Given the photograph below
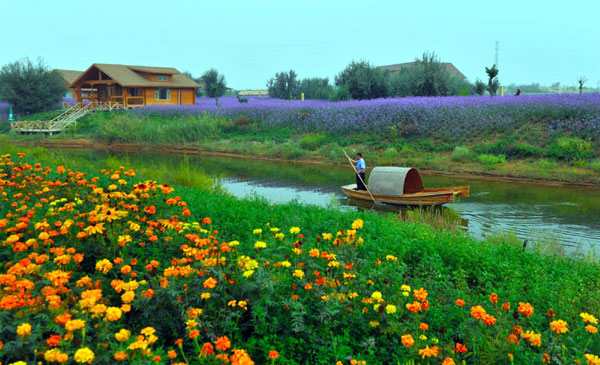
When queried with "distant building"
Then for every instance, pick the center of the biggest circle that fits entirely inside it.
(397, 68)
(254, 93)
(135, 85)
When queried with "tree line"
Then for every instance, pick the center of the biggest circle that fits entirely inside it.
(427, 76)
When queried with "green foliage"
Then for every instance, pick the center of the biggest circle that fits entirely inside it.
(479, 87)
(462, 154)
(363, 81)
(30, 87)
(571, 149)
(595, 165)
(340, 93)
(214, 83)
(315, 88)
(493, 82)
(491, 160)
(312, 142)
(284, 85)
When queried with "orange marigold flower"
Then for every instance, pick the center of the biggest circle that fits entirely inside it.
(559, 326)
(488, 319)
(194, 333)
(448, 361)
(591, 329)
(414, 307)
(460, 302)
(210, 283)
(525, 309)
(207, 349)
(407, 340)
(424, 326)
(506, 306)
(460, 348)
(273, 354)
(223, 343)
(156, 358)
(53, 340)
(421, 294)
(172, 354)
(429, 351)
(494, 298)
(477, 312)
(120, 356)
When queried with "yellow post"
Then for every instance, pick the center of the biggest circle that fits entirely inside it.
(302, 96)
(501, 90)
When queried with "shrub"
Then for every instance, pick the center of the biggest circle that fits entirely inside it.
(243, 122)
(462, 154)
(30, 87)
(312, 142)
(491, 160)
(547, 164)
(571, 148)
(363, 81)
(595, 165)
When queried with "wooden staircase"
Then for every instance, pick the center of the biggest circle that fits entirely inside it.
(65, 119)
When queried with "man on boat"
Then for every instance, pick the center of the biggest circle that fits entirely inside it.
(361, 167)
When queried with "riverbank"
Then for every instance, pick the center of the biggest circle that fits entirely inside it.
(315, 284)
(513, 171)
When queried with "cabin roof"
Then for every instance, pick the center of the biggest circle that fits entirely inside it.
(129, 76)
(395, 181)
(69, 75)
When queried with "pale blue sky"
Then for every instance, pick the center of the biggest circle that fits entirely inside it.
(248, 41)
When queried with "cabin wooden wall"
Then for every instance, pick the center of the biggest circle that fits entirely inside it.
(152, 77)
(188, 96)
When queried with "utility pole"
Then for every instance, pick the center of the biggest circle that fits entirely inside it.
(496, 59)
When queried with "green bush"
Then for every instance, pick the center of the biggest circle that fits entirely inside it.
(595, 165)
(491, 160)
(462, 154)
(522, 150)
(571, 148)
(312, 142)
(547, 164)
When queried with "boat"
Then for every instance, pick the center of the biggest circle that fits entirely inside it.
(403, 186)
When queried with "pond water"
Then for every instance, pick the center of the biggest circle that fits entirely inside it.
(531, 211)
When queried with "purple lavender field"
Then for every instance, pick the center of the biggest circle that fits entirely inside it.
(448, 118)
(4, 109)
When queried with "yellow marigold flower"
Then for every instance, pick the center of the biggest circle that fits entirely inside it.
(376, 295)
(190, 323)
(314, 252)
(405, 288)
(390, 309)
(357, 224)
(128, 296)
(352, 295)
(423, 337)
(210, 283)
(295, 230)
(407, 340)
(232, 303)
(24, 329)
(327, 236)
(286, 264)
(298, 273)
(325, 298)
(374, 323)
(588, 318)
(74, 325)
(429, 352)
(260, 244)
(257, 231)
(104, 265)
(559, 326)
(205, 295)
(233, 243)
(391, 258)
(12, 238)
(405, 293)
(44, 236)
(112, 187)
(113, 314)
(122, 335)
(297, 251)
(98, 309)
(279, 236)
(84, 355)
(248, 273)
(525, 309)
(592, 359)
(274, 229)
(242, 304)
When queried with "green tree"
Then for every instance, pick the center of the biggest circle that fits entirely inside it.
(363, 81)
(581, 80)
(479, 87)
(214, 84)
(30, 87)
(315, 88)
(493, 82)
(284, 85)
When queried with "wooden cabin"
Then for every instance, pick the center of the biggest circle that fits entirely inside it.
(132, 86)
(68, 77)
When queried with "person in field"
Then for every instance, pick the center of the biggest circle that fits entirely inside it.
(361, 168)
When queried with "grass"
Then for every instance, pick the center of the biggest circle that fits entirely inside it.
(528, 152)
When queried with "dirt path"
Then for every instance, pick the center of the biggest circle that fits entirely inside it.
(79, 144)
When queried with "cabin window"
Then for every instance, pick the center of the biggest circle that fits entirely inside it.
(162, 78)
(163, 93)
(117, 91)
(134, 91)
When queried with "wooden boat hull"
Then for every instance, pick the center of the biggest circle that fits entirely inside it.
(426, 197)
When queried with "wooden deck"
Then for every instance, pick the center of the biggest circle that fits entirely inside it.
(69, 116)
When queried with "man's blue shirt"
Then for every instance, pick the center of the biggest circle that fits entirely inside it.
(360, 164)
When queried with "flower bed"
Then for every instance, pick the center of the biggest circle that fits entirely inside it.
(102, 269)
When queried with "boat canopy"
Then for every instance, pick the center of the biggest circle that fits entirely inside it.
(395, 181)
